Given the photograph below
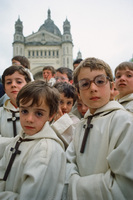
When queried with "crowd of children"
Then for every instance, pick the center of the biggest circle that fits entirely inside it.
(69, 135)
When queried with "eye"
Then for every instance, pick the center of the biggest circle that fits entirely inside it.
(61, 102)
(39, 114)
(19, 82)
(118, 76)
(69, 103)
(129, 75)
(100, 80)
(8, 82)
(84, 83)
(79, 105)
(24, 111)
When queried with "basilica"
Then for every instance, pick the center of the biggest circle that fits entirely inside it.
(45, 47)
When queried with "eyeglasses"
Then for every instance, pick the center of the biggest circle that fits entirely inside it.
(99, 81)
(61, 78)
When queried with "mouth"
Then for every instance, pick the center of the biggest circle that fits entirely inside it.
(14, 92)
(63, 111)
(94, 98)
(122, 84)
(29, 127)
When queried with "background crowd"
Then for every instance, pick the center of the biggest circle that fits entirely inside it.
(67, 135)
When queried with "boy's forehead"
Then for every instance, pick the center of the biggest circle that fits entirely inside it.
(15, 74)
(30, 103)
(62, 96)
(86, 72)
(125, 69)
(46, 70)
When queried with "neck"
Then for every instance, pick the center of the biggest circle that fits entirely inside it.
(14, 104)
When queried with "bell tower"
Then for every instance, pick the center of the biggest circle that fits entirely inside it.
(67, 45)
(18, 44)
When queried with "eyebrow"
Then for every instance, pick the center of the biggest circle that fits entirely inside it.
(25, 107)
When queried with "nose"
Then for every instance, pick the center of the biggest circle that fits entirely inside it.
(64, 106)
(93, 86)
(29, 118)
(13, 84)
(122, 77)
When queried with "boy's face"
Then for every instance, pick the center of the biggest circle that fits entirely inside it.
(34, 117)
(124, 82)
(47, 74)
(94, 97)
(65, 103)
(13, 84)
(61, 77)
(82, 108)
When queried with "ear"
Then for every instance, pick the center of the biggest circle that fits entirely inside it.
(78, 95)
(112, 85)
(51, 118)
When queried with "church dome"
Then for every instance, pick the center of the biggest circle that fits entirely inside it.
(50, 26)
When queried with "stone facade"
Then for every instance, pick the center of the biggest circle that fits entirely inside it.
(45, 47)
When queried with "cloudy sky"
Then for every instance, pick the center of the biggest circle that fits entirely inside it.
(99, 28)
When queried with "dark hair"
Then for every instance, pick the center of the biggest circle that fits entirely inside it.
(12, 69)
(124, 65)
(65, 70)
(67, 89)
(50, 68)
(77, 61)
(23, 61)
(39, 91)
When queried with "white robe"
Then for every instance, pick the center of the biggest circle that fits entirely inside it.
(127, 102)
(38, 172)
(105, 170)
(6, 127)
(65, 126)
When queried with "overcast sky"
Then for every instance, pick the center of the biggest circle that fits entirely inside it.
(99, 28)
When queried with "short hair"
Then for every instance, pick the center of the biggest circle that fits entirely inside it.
(67, 89)
(12, 69)
(65, 70)
(39, 91)
(23, 61)
(50, 68)
(124, 65)
(93, 64)
(77, 61)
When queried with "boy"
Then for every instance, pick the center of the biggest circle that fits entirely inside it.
(18, 61)
(81, 107)
(38, 169)
(76, 63)
(48, 74)
(100, 161)
(124, 84)
(64, 121)
(64, 74)
(13, 79)
(22, 60)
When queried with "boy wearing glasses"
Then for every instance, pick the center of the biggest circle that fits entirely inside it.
(63, 74)
(99, 158)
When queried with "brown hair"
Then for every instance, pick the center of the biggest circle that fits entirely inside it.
(39, 91)
(23, 61)
(93, 64)
(12, 69)
(124, 65)
(50, 68)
